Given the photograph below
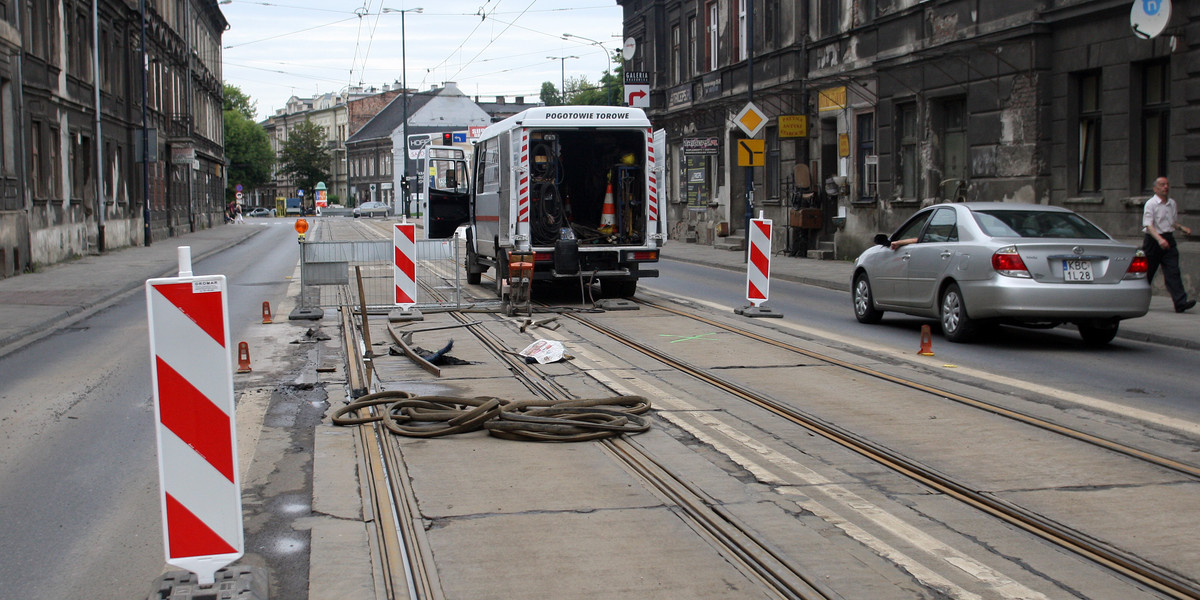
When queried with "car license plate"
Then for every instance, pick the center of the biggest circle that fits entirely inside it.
(1077, 270)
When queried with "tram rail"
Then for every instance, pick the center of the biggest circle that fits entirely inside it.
(1097, 551)
(740, 544)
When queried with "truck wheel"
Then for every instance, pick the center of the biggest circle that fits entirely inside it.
(618, 288)
(474, 273)
(501, 271)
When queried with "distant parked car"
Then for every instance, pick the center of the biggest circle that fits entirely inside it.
(974, 263)
(372, 209)
(261, 212)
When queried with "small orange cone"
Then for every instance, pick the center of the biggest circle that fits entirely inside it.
(608, 215)
(926, 342)
(243, 357)
(266, 313)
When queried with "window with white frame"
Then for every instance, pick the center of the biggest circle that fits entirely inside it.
(711, 27)
(742, 31)
(676, 59)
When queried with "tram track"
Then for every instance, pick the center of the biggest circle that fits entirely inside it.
(739, 542)
(406, 559)
(1097, 551)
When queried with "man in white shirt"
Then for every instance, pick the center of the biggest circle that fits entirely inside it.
(1159, 221)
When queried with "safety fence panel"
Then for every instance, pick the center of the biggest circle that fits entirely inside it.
(330, 271)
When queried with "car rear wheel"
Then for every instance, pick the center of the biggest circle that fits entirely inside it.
(956, 325)
(864, 302)
(1098, 333)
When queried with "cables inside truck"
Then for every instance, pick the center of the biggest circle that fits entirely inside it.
(549, 211)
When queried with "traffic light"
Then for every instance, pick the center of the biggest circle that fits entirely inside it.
(447, 139)
(404, 184)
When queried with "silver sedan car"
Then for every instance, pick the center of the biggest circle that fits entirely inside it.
(977, 263)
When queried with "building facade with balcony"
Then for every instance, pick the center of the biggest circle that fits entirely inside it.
(896, 104)
(339, 115)
(71, 111)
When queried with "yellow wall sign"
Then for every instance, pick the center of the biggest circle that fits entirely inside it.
(831, 99)
(751, 153)
(793, 126)
(843, 144)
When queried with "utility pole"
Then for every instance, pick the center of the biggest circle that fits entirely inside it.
(750, 98)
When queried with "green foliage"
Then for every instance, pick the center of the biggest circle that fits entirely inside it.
(578, 90)
(304, 155)
(246, 145)
(237, 100)
(549, 95)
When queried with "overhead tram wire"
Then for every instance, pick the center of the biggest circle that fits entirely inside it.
(275, 37)
(491, 41)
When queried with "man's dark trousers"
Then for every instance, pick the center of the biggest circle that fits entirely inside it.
(1169, 260)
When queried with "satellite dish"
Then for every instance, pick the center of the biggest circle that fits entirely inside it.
(629, 49)
(1148, 18)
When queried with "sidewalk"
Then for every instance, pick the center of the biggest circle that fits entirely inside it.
(1162, 325)
(34, 305)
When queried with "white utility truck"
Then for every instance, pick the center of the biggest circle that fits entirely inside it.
(572, 190)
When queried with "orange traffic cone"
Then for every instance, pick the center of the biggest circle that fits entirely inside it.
(926, 342)
(608, 215)
(243, 357)
(266, 313)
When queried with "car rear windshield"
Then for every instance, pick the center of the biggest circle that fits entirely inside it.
(1036, 224)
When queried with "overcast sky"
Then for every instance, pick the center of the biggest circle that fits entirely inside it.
(274, 50)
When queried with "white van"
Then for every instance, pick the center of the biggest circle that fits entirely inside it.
(574, 188)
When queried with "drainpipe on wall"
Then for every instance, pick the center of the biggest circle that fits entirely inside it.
(101, 204)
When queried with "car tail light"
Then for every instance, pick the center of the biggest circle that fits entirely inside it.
(1007, 262)
(543, 256)
(1138, 266)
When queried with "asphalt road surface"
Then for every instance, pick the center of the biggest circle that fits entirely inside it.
(78, 471)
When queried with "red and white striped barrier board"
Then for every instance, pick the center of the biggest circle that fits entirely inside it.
(192, 376)
(758, 267)
(405, 266)
(523, 185)
(652, 180)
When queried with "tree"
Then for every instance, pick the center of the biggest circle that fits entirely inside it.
(550, 95)
(246, 145)
(304, 156)
(608, 92)
(236, 99)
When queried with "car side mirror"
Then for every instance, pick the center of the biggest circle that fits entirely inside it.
(881, 239)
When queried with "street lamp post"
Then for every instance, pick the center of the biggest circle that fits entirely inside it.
(562, 82)
(404, 94)
(607, 57)
(145, 140)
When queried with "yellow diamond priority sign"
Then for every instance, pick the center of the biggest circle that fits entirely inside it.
(751, 120)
